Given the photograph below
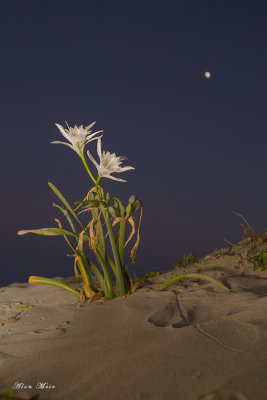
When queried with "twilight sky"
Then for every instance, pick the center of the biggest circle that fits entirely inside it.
(136, 68)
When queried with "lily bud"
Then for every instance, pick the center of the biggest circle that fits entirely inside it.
(107, 198)
(129, 210)
(137, 204)
(132, 199)
(116, 204)
(113, 212)
(122, 210)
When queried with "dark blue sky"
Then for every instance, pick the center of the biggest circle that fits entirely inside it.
(137, 68)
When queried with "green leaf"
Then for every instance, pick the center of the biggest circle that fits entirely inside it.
(64, 201)
(150, 274)
(107, 279)
(91, 196)
(47, 281)
(7, 393)
(187, 257)
(91, 203)
(154, 273)
(67, 215)
(101, 247)
(179, 264)
(96, 272)
(201, 276)
(190, 258)
(259, 261)
(47, 232)
(112, 264)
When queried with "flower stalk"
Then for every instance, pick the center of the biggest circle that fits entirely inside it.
(87, 168)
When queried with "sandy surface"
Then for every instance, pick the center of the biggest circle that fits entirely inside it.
(192, 341)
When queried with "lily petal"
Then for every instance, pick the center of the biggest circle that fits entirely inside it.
(90, 140)
(63, 131)
(92, 159)
(109, 163)
(90, 126)
(113, 177)
(125, 169)
(67, 144)
(99, 149)
(78, 136)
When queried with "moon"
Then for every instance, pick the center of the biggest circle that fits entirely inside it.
(207, 74)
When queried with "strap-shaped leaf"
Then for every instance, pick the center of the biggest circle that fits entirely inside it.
(67, 215)
(88, 202)
(64, 201)
(101, 246)
(53, 282)
(112, 264)
(107, 278)
(96, 272)
(193, 275)
(48, 232)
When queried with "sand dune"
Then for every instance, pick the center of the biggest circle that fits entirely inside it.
(191, 341)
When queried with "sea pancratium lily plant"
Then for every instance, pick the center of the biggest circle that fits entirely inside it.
(107, 213)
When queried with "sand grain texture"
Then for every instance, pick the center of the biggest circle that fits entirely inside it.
(191, 341)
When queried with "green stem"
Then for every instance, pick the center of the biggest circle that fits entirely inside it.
(87, 168)
(120, 287)
(96, 186)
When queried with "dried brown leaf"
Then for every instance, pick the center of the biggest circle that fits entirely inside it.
(80, 241)
(97, 296)
(131, 221)
(58, 222)
(135, 247)
(91, 190)
(77, 275)
(129, 276)
(117, 220)
(136, 286)
(88, 291)
(82, 296)
(93, 236)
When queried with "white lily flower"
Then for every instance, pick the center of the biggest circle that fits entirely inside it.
(109, 163)
(78, 137)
